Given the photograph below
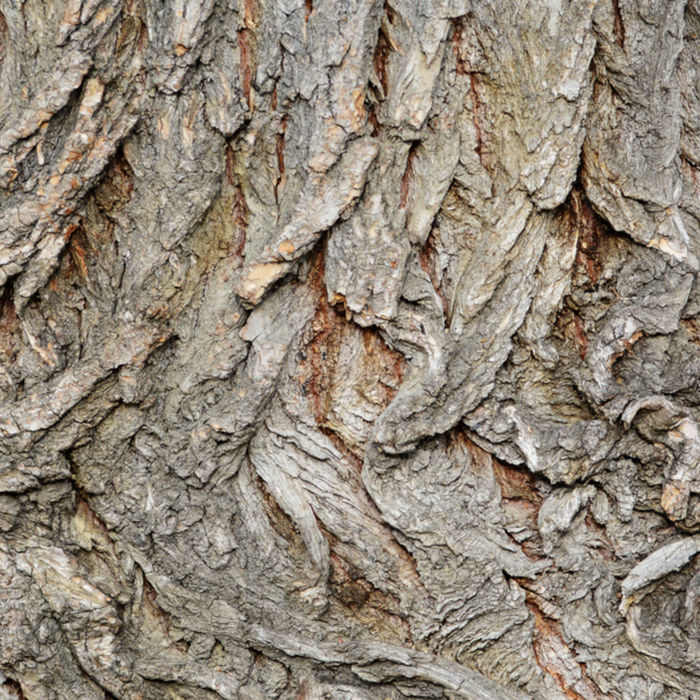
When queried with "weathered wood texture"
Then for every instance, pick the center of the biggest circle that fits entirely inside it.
(349, 349)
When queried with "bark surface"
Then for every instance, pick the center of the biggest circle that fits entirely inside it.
(349, 349)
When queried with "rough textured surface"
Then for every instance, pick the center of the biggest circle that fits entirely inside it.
(349, 349)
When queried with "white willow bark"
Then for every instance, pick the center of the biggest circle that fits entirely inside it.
(349, 349)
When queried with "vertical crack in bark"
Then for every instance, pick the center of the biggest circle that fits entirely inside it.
(282, 177)
(246, 57)
(557, 659)
(619, 24)
(239, 212)
(382, 51)
(280, 521)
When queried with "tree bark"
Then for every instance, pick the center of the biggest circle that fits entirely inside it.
(349, 350)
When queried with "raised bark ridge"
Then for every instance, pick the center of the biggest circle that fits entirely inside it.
(349, 349)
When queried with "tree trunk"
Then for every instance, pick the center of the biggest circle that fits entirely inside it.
(349, 350)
